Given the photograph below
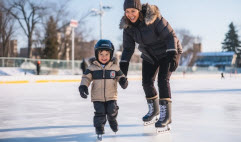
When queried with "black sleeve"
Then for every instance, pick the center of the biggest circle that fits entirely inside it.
(166, 32)
(128, 46)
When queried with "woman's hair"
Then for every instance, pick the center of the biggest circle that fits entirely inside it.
(141, 18)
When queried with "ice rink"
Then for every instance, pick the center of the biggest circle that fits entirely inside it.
(205, 109)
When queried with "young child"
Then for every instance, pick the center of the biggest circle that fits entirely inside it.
(104, 72)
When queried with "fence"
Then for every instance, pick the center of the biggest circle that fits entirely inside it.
(49, 66)
(48, 63)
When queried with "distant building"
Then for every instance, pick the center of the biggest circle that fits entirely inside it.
(136, 57)
(36, 52)
(64, 40)
(84, 49)
(11, 50)
(216, 59)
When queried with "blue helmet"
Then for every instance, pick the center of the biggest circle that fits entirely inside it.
(104, 45)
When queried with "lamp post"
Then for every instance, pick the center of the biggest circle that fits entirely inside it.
(73, 24)
(100, 12)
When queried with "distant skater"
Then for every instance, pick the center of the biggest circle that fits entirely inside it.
(38, 67)
(183, 74)
(83, 65)
(222, 76)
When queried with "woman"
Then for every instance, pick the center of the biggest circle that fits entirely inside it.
(161, 50)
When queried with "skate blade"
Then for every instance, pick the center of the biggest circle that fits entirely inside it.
(163, 130)
(99, 137)
(150, 122)
(154, 120)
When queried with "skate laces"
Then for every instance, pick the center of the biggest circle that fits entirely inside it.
(151, 109)
(163, 111)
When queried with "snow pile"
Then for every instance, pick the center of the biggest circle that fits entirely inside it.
(28, 65)
(15, 71)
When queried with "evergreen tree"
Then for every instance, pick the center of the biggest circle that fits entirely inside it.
(231, 41)
(51, 41)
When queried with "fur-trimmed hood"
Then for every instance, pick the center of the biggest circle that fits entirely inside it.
(93, 59)
(151, 13)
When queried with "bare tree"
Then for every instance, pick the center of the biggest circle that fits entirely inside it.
(186, 39)
(28, 14)
(190, 44)
(81, 34)
(6, 30)
(59, 12)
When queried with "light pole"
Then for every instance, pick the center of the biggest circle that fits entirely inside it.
(100, 12)
(73, 24)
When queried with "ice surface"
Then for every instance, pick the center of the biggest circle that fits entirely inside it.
(204, 110)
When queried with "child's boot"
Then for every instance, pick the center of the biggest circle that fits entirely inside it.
(113, 125)
(99, 130)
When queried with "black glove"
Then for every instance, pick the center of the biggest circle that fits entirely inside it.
(124, 67)
(123, 82)
(83, 90)
(173, 60)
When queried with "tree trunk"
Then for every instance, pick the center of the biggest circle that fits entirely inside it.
(30, 47)
(3, 50)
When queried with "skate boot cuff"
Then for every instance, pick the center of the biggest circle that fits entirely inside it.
(166, 99)
(152, 97)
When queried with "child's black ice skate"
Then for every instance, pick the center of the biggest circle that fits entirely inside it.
(113, 125)
(152, 115)
(99, 131)
(99, 137)
(162, 125)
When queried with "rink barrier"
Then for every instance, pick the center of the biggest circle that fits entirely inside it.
(45, 79)
(66, 79)
(14, 82)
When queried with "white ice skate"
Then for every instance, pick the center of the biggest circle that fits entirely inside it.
(153, 113)
(163, 124)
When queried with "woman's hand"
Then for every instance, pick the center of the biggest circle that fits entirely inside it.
(173, 60)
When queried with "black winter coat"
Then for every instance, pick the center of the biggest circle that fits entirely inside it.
(154, 35)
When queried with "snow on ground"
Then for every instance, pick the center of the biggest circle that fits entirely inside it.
(15, 71)
(12, 71)
(204, 109)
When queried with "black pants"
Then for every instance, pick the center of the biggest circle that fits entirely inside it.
(107, 109)
(149, 72)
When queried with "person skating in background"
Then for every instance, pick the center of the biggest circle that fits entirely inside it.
(161, 50)
(83, 65)
(104, 73)
(222, 76)
(38, 67)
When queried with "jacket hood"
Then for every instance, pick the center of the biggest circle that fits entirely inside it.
(151, 14)
(94, 61)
